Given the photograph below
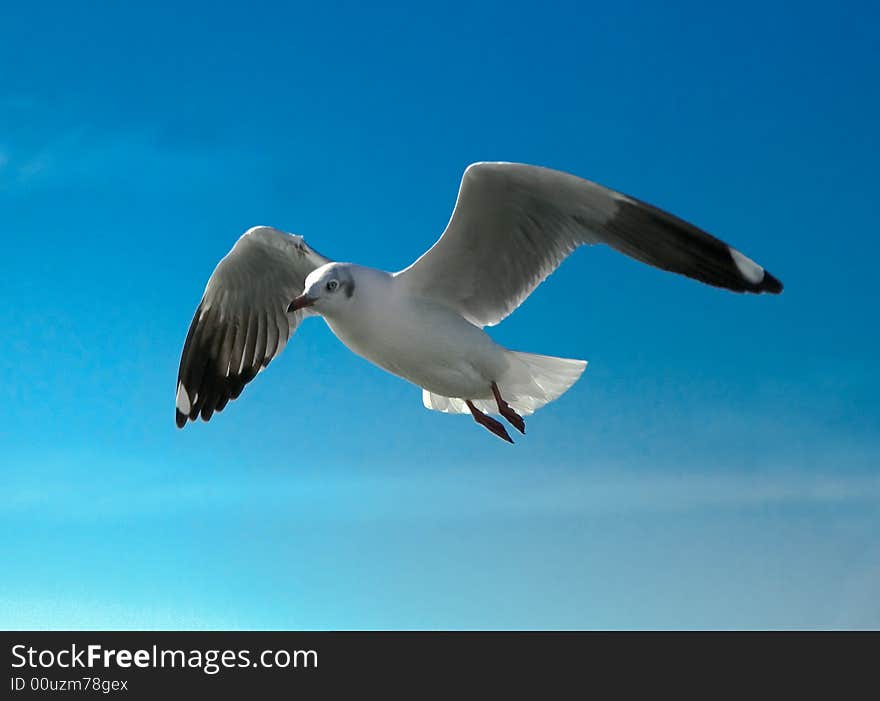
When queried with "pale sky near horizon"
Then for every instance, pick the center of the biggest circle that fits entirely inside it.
(718, 464)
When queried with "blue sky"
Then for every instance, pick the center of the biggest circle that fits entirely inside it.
(717, 464)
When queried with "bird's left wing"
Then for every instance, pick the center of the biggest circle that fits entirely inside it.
(242, 322)
(513, 224)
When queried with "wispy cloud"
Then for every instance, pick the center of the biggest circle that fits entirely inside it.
(455, 493)
(72, 152)
(83, 613)
(82, 157)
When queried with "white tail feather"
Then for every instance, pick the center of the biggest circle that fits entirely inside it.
(530, 382)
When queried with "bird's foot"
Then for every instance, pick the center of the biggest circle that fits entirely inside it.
(507, 411)
(494, 426)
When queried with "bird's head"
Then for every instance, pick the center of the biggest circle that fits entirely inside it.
(327, 289)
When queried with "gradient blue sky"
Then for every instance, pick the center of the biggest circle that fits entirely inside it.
(718, 465)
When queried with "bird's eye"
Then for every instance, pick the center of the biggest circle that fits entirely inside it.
(332, 285)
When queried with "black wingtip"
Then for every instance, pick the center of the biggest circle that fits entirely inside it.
(771, 284)
(180, 419)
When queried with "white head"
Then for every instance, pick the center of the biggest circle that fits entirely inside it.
(328, 289)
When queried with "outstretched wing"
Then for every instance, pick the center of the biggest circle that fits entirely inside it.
(513, 224)
(242, 322)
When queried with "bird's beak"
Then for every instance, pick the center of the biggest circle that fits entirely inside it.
(301, 302)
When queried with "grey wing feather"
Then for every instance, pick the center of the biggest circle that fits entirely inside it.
(242, 321)
(513, 224)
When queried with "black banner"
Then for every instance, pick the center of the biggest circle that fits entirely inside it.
(134, 665)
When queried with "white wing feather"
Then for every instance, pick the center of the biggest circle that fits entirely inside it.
(513, 224)
(242, 322)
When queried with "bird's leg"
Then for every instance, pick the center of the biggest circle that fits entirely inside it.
(495, 426)
(507, 411)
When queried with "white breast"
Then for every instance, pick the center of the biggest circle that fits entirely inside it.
(421, 341)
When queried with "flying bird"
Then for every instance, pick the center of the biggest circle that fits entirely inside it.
(513, 224)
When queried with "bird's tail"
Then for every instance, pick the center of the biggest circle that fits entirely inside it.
(529, 382)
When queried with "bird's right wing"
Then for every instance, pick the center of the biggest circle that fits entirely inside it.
(242, 322)
(513, 224)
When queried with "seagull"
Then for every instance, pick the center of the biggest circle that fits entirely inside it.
(513, 224)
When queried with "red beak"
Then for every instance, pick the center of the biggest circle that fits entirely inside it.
(301, 302)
